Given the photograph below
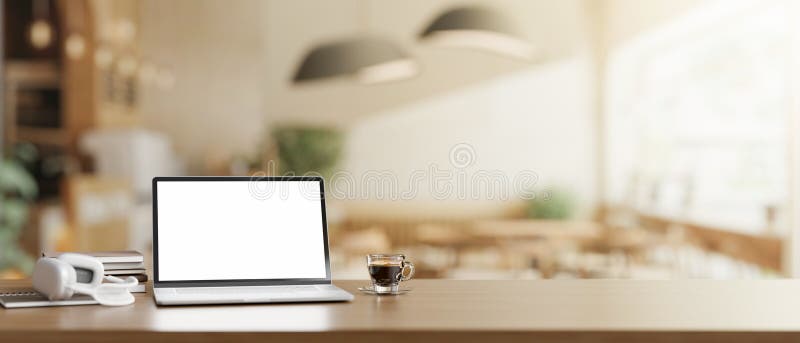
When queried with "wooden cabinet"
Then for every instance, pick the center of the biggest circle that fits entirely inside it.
(49, 98)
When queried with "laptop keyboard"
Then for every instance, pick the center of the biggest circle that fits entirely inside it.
(248, 290)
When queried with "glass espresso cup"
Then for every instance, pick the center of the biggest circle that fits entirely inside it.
(387, 270)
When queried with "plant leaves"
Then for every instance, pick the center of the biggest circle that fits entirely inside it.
(14, 215)
(308, 150)
(15, 178)
(17, 189)
(560, 205)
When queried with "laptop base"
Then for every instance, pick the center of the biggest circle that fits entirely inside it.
(249, 294)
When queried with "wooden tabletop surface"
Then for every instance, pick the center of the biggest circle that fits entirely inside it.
(602, 310)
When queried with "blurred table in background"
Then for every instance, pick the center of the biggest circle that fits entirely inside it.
(516, 229)
(536, 243)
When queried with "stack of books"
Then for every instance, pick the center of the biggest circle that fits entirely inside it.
(121, 264)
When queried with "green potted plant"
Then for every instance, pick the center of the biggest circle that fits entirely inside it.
(18, 190)
(303, 150)
(553, 204)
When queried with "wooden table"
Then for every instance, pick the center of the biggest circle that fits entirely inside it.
(444, 310)
(536, 240)
(536, 229)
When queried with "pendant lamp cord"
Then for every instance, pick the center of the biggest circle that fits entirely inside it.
(41, 9)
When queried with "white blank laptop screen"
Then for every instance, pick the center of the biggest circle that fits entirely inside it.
(230, 230)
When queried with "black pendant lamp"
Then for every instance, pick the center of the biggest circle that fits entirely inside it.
(366, 59)
(477, 28)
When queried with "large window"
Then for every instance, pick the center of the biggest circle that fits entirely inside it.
(698, 117)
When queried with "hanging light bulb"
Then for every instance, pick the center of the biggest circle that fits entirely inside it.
(126, 66)
(124, 31)
(75, 46)
(40, 34)
(103, 57)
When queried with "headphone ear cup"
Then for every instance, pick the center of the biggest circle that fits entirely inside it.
(54, 278)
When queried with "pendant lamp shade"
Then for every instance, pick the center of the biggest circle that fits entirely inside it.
(477, 28)
(368, 59)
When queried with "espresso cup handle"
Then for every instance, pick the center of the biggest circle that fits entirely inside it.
(410, 266)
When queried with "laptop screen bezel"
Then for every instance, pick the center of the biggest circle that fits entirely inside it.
(239, 282)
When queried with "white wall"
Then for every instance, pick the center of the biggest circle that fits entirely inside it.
(233, 61)
(539, 119)
(215, 49)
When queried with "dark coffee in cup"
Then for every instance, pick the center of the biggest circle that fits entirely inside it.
(385, 274)
(387, 270)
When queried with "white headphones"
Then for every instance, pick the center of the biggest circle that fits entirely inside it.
(59, 278)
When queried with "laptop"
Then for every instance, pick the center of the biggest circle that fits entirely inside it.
(226, 240)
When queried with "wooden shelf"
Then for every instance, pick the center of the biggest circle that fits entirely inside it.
(26, 75)
(45, 136)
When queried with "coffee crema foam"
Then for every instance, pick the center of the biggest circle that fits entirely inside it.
(386, 263)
